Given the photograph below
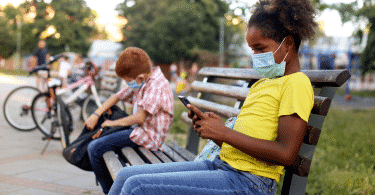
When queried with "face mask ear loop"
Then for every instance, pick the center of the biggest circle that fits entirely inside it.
(280, 45)
(285, 56)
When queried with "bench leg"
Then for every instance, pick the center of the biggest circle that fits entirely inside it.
(96, 182)
(192, 141)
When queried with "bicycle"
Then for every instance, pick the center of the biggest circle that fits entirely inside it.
(50, 111)
(16, 108)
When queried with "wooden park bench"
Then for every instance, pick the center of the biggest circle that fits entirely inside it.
(220, 92)
(109, 81)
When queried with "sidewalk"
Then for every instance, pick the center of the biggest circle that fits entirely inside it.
(354, 103)
(23, 170)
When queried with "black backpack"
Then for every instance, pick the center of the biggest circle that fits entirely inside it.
(76, 153)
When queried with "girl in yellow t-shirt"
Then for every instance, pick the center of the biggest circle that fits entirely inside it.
(269, 130)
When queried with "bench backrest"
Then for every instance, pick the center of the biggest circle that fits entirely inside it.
(216, 89)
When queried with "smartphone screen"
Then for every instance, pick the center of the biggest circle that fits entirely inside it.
(184, 100)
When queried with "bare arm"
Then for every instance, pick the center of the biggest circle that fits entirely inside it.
(137, 118)
(33, 62)
(283, 151)
(47, 57)
(91, 122)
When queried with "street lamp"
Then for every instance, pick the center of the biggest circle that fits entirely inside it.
(221, 42)
(18, 53)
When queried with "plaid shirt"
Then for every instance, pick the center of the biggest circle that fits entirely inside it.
(155, 97)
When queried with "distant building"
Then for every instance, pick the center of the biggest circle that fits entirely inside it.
(104, 52)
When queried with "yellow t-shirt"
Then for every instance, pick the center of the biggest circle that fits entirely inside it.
(267, 100)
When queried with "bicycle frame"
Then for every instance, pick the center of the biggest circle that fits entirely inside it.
(84, 83)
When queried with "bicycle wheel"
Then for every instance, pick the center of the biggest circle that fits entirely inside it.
(45, 119)
(16, 108)
(65, 122)
(89, 106)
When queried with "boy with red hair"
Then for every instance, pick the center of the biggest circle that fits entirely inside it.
(153, 105)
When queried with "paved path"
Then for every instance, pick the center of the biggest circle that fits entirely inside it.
(355, 102)
(23, 170)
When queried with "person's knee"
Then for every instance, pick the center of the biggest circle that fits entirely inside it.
(132, 183)
(92, 147)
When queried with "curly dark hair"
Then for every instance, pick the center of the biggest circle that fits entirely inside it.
(280, 18)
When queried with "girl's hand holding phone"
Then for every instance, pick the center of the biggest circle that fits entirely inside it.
(207, 125)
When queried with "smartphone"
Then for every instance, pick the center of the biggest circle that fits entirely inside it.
(184, 100)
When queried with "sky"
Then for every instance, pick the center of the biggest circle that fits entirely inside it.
(107, 16)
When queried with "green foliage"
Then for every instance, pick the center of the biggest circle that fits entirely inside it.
(72, 20)
(7, 40)
(172, 30)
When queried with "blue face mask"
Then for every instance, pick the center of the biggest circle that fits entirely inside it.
(265, 65)
(134, 85)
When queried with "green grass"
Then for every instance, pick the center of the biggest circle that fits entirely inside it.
(14, 72)
(344, 159)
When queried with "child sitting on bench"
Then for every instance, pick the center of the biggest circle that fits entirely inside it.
(153, 106)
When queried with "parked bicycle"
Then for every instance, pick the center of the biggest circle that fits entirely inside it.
(16, 108)
(50, 110)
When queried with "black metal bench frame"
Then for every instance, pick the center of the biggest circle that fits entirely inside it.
(215, 82)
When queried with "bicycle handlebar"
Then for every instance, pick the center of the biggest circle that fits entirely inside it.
(45, 65)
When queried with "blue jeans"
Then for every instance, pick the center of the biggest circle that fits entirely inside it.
(99, 146)
(194, 177)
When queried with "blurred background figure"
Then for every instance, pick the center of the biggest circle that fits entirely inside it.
(64, 70)
(182, 85)
(193, 72)
(173, 70)
(40, 56)
(77, 71)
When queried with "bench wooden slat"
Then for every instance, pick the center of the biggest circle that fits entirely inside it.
(151, 157)
(162, 157)
(113, 163)
(110, 79)
(172, 154)
(301, 166)
(132, 156)
(319, 78)
(219, 109)
(236, 92)
(110, 74)
(185, 118)
(182, 151)
(321, 104)
(312, 135)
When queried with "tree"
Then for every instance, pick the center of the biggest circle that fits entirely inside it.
(359, 11)
(173, 30)
(7, 41)
(74, 21)
(62, 23)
